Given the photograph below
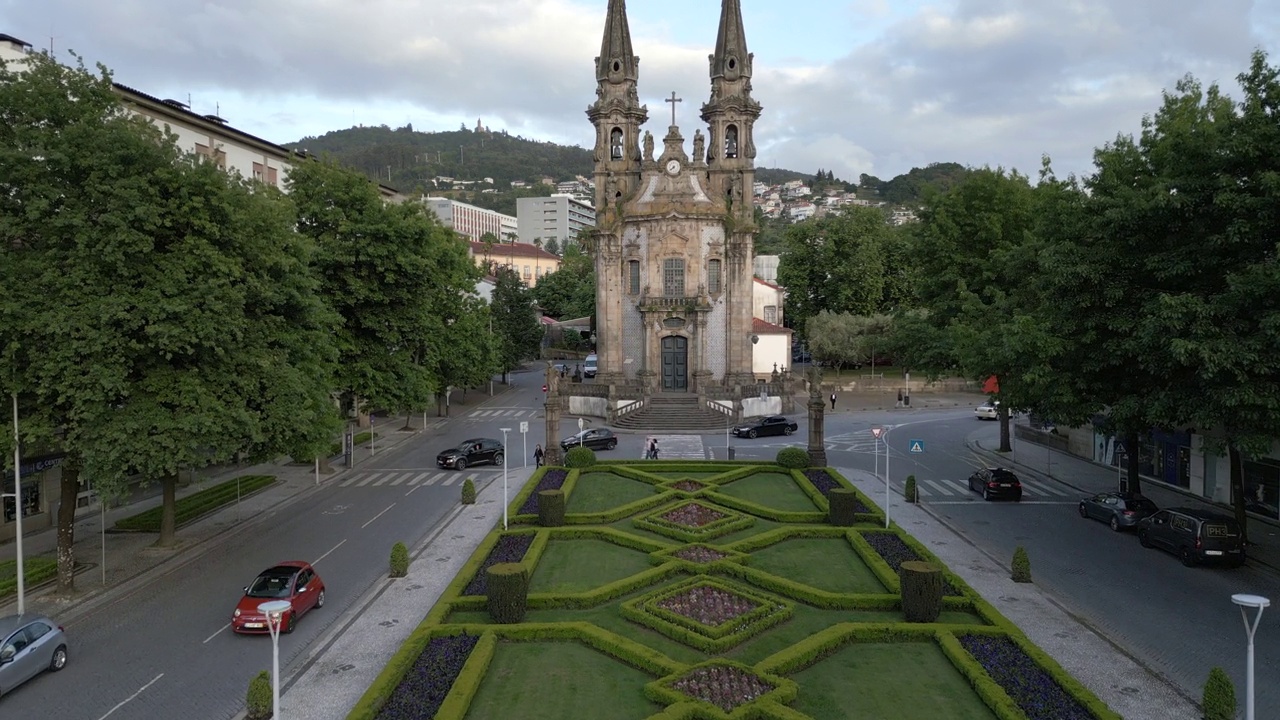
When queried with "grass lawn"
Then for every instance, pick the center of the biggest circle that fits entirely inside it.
(599, 491)
(772, 490)
(684, 475)
(903, 681)
(572, 566)
(35, 570)
(824, 563)
(555, 681)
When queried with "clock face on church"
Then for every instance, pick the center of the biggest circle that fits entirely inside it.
(673, 167)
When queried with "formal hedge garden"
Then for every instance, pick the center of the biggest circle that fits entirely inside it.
(713, 590)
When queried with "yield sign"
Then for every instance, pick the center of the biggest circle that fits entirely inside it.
(917, 446)
(876, 432)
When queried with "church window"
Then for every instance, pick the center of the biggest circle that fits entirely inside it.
(633, 277)
(713, 277)
(673, 277)
(731, 141)
(615, 144)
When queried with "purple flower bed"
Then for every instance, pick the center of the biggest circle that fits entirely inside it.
(510, 549)
(699, 554)
(724, 686)
(896, 551)
(824, 483)
(1033, 689)
(551, 480)
(708, 605)
(692, 515)
(689, 485)
(425, 686)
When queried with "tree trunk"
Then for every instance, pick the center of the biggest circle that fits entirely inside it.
(408, 418)
(1237, 492)
(70, 487)
(169, 484)
(1002, 413)
(1131, 447)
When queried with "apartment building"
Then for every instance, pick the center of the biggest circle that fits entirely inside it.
(471, 221)
(530, 262)
(560, 216)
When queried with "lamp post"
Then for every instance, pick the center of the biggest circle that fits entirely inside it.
(273, 611)
(504, 476)
(17, 507)
(1250, 601)
(877, 432)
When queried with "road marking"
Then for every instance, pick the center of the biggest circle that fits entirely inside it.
(366, 481)
(435, 479)
(419, 478)
(353, 478)
(402, 478)
(1044, 488)
(451, 479)
(939, 487)
(375, 517)
(335, 547)
(1013, 502)
(382, 481)
(131, 697)
(206, 640)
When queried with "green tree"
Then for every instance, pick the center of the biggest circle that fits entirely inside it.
(553, 246)
(570, 291)
(517, 331)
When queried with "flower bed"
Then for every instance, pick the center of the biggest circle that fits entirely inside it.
(708, 605)
(689, 486)
(822, 481)
(699, 554)
(551, 480)
(896, 551)
(724, 686)
(425, 686)
(1034, 690)
(692, 515)
(510, 549)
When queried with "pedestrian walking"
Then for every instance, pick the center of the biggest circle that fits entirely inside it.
(833, 401)
(537, 455)
(899, 398)
(651, 453)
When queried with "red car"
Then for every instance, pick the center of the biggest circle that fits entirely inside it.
(295, 581)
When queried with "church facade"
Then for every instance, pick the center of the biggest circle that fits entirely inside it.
(675, 226)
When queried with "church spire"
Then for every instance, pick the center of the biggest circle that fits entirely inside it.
(731, 58)
(617, 60)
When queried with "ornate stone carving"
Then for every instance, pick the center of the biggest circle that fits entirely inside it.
(699, 146)
(648, 146)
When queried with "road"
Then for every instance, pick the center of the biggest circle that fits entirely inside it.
(167, 645)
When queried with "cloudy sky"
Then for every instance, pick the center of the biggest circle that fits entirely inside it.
(855, 86)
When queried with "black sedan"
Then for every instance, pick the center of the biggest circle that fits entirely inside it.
(471, 452)
(1119, 510)
(995, 483)
(772, 425)
(594, 438)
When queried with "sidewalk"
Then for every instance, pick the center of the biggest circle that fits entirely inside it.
(1091, 478)
(1128, 688)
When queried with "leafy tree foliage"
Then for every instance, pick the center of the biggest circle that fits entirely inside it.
(845, 339)
(517, 331)
(570, 291)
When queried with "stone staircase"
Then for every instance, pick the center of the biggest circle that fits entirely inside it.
(674, 412)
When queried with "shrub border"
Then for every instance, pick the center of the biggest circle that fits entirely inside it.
(711, 640)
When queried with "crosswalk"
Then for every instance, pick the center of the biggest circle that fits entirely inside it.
(409, 478)
(678, 447)
(496, 413)
(956, 489)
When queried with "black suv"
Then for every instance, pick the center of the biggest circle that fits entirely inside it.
(1195, 536)
(471, 452)
(996, 482)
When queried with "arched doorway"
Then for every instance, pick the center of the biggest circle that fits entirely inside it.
(675, 364)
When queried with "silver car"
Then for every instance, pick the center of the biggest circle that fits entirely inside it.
(29, 645)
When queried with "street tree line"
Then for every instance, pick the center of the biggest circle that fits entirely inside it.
(161, 314)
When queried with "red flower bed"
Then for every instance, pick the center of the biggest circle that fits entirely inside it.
(724, 686)
(692, 515)
(708, 605)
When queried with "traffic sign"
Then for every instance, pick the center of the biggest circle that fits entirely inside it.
(524, 426)
(876, 432)
(581, 423)
(917, 446)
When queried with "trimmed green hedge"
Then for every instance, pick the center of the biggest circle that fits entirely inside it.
(645, 610)
(35, 570)
(198, 504)
(723, 526)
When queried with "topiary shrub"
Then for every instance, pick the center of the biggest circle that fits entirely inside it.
(1219, 700)
(792, 458)
(508, 591)
(842, 508)
(468, 492)
(921, 590)
(551, 508)
(1021, 565)
(909, 490)
(258, 701)
(399, 560)
(580, 457)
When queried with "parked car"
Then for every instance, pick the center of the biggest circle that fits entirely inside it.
(29, 645)
(1195, 536)
(1119, 510)
(589, 366)
(772, 425)
(995, 483)
(594, 438)
(295, 581)
(989, 410)
(476, 451)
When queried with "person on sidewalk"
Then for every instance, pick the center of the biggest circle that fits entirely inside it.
(833, 401)
(652, 452)
(899, 399)
(537, 455)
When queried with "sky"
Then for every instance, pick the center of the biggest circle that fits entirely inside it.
(852, 86)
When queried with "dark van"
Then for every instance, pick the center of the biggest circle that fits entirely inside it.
(1195, 536)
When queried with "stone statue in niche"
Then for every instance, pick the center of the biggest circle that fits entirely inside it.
(610, 190)
(648, 146)
(699, 146)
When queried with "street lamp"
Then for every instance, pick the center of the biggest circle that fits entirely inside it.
(17, 506)
(274, 610)
(504, 476)
(1250, 601)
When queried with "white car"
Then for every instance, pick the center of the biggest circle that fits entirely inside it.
(987, 411)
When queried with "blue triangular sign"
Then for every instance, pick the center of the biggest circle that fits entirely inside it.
(917, 446)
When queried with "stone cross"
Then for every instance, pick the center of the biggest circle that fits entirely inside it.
(673, 100)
